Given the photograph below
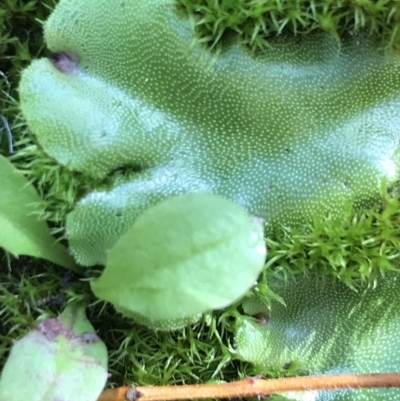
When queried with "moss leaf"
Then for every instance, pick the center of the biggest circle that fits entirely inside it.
(22, 232)
(187, 255)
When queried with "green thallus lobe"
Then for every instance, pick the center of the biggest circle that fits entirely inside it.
(327, 328)
(290, 134)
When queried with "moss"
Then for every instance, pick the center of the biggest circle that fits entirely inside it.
(205, 351)
(357, 248)
(201, 353)
(20, 41)
(256, 21)
(29, 289)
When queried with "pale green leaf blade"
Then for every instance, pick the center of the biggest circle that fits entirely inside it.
(185, 256)
(61, 359)
(22, 233)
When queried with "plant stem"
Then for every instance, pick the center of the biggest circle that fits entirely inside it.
(252, 387)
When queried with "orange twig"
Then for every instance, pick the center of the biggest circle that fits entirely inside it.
(252, 387)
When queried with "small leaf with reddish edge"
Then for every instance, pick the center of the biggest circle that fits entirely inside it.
(59, 360)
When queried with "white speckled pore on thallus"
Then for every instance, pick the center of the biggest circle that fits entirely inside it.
(289, 135)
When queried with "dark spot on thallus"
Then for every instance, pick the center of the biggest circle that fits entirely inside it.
(118, 214)
(64, 62)
(262, 318)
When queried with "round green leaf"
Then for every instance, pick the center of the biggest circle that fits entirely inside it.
(187, 255)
